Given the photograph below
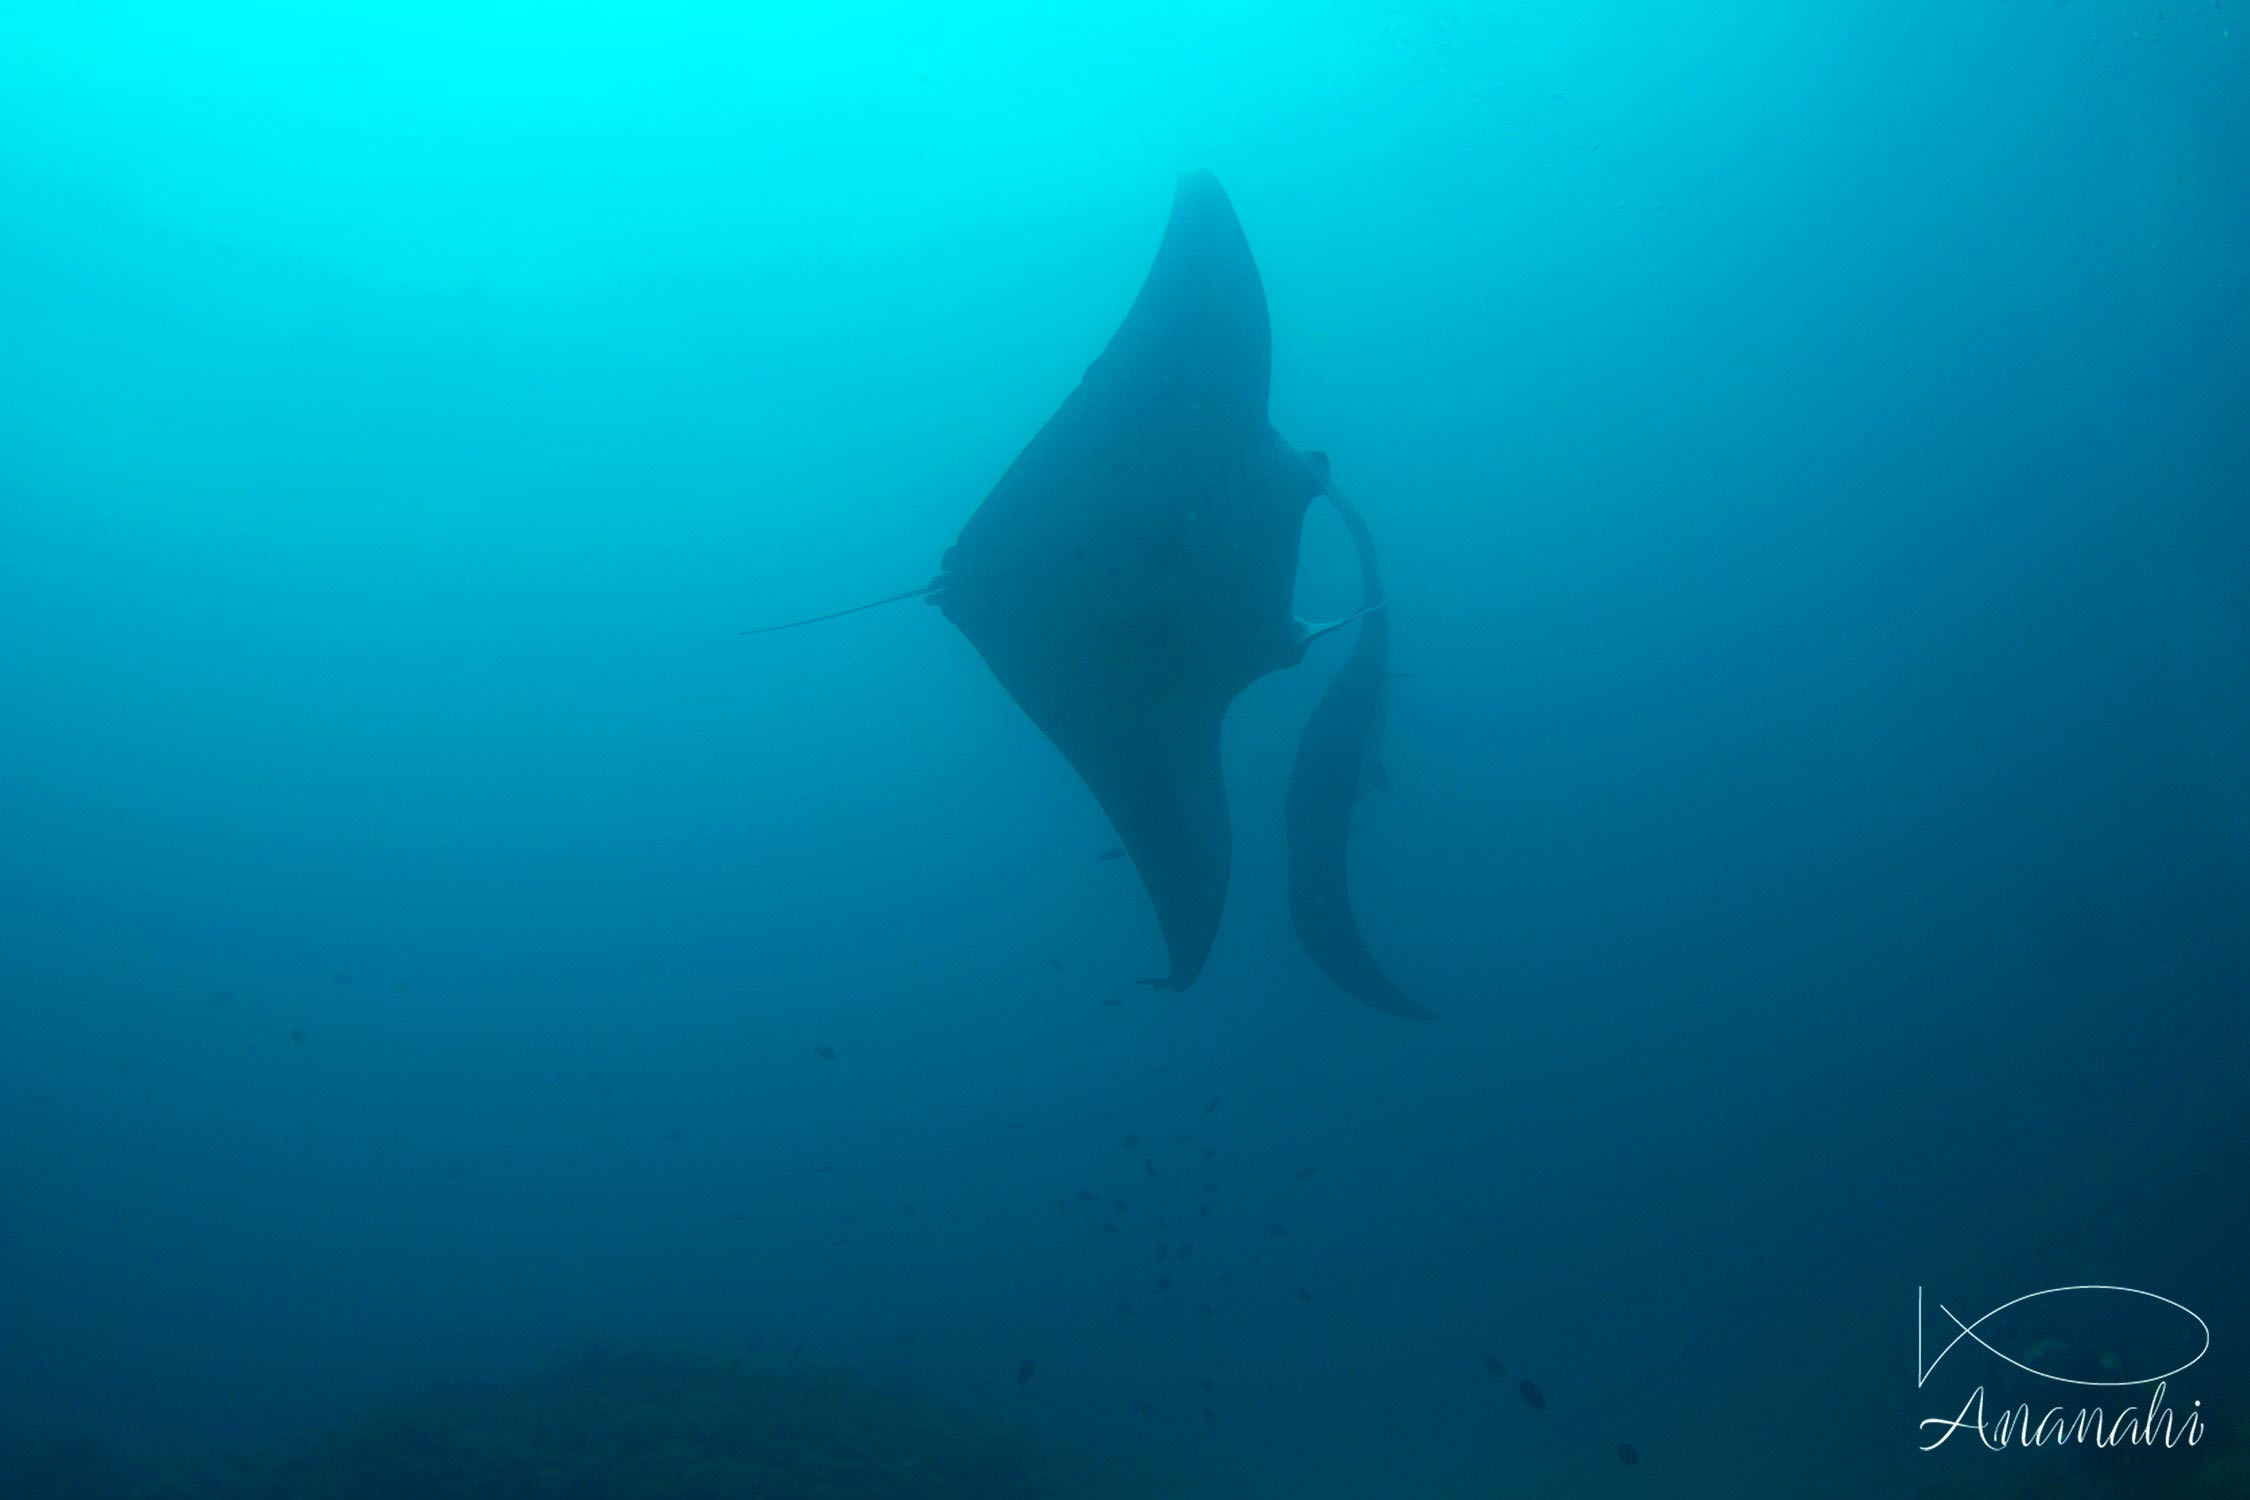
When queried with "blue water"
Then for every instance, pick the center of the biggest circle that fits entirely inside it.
(1810, 446)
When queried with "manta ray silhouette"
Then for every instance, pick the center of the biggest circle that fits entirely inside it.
(1339, 761)
(1132, 571)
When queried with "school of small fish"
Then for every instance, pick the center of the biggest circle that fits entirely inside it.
(1172, 1197)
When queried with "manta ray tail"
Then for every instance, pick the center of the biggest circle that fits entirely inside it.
(923, 591)
(1309, 631)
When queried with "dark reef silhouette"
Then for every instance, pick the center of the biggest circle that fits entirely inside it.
(606, 1425)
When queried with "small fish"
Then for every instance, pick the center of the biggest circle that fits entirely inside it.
(1130, 1142)
(1141, 1407)
(454, 1173)
(1628, 1455)
(1532, 1396)
(1057, 963)
(339, 979)
(795, 1350)
(1157, 982)
(1205, 1309)
(1107, 855)
(1203, 1210)
(1112, 1004)
(1108, 1227)
(1303, 1295)
(1151, 1168)
(402, 986)
(297, 1036)
(1124, 1307)
(1209, 1152)
(1187, 1249)
(1226, 1278)
(1205, 1384)
(1023, 1373)
(1210, 1417)
(1164, 1283)
(1275, 1230)
(1493, 1364)
(822, 1170)
(674, 1133)
(1122, 1206)
(1305, 1172)
(1216, 1101)
(1085, 1196)
(1162, 1250)
(825, 1054)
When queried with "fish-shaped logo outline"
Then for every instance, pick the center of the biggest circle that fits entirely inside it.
(1969, 1331)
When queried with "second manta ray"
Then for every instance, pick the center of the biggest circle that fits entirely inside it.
(1338, 763)
(1132, 571)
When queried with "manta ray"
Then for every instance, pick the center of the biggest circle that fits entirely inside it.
(1338, 763)
(1133, 570)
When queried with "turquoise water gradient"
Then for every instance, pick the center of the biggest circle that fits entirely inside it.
(1809, 443)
